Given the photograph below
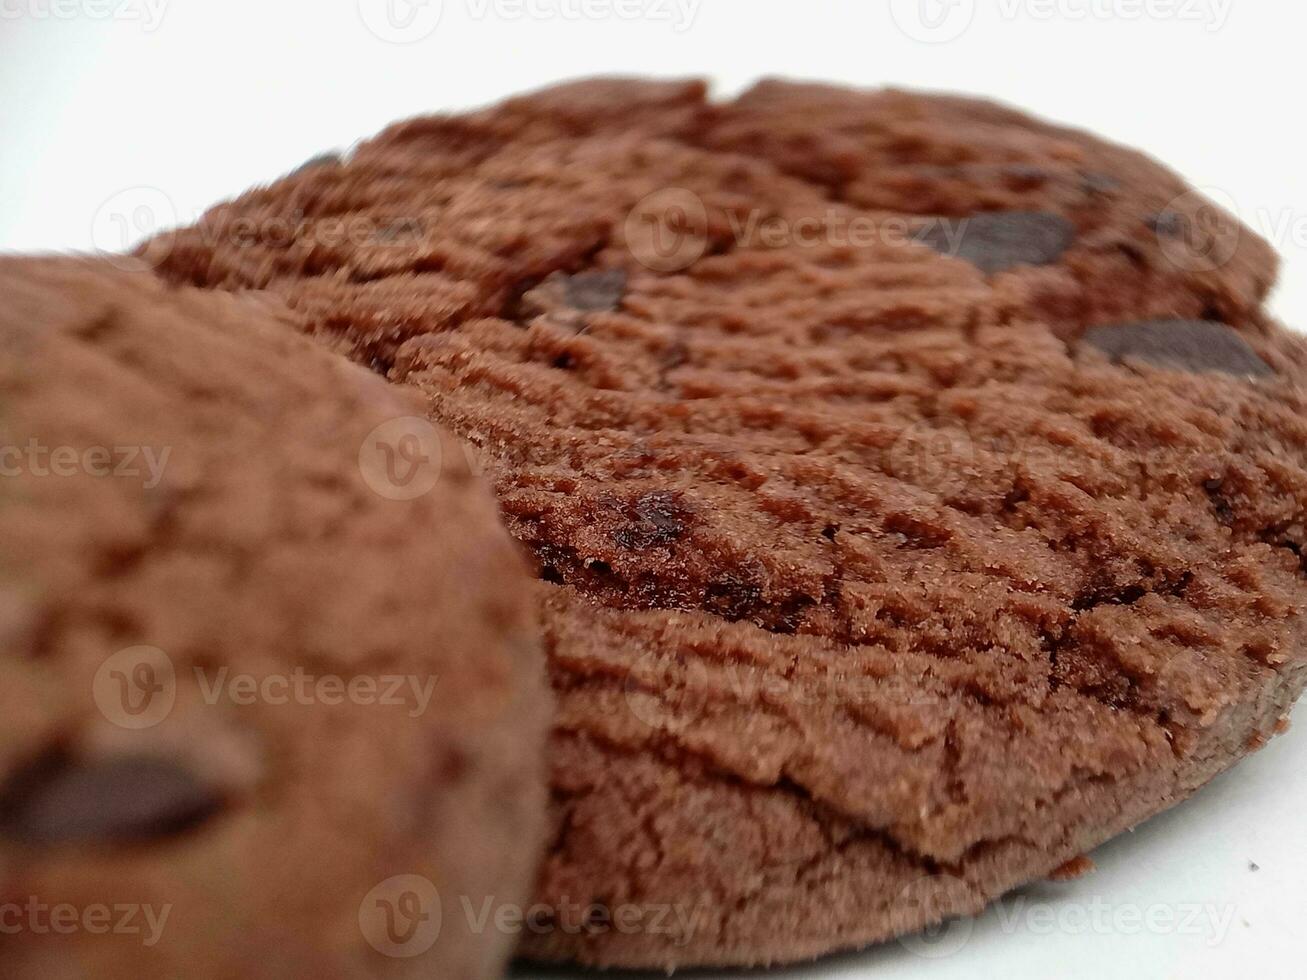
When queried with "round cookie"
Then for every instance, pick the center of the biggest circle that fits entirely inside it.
(272, 704)
(918, 499)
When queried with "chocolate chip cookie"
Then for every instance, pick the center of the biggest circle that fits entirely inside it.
(267, 711)
(917, 488)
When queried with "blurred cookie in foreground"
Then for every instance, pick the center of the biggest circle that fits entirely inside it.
(270, 694)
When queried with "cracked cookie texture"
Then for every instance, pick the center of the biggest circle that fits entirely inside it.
(250, 705)
(917, 488)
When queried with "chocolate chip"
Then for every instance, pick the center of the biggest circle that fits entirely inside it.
(1220, 505)
(663, 511)
(595, 292)
(1098, 183)
(328, 159)
(656, 518)
(1001, 240)
(731, 597)
(565, 298)
(1168, 223)
(59, 800)
(1024, 177)
(400, 230)
(1183, 345)
(675, 354)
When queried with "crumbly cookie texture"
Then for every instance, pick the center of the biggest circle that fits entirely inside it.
(240, 689)
(880, 574)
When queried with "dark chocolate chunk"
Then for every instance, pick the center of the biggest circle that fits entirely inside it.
(1022, 176)
(656, 518)
(1099, 183)
(1168, 223)
(1183, 345)
(595, 292)
(405, 230)
(328, 159)
(664, 512)
(59, 800)
(1001, 240)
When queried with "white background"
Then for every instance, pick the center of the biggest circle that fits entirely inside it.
(175, 104)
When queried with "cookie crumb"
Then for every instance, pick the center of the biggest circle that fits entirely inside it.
(1077, 867)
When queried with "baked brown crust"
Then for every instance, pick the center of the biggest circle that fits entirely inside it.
(873, 586)
(256, 824)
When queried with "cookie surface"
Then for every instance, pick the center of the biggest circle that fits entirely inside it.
(896, 546)
(264, 713)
